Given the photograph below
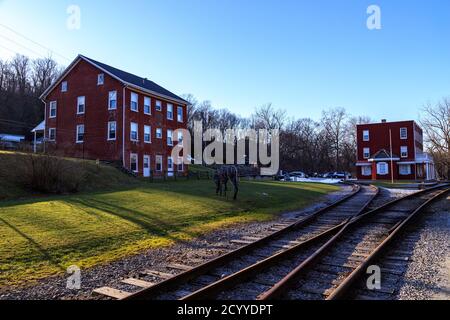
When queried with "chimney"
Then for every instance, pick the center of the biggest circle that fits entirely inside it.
(383, 121)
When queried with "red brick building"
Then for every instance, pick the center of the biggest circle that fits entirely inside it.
(95, 111)
(392, 149)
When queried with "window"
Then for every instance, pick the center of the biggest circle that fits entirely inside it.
(100, 79)
(147, 134)
(403, 133)
(158, 105)
(382, 168)
(134, 131)
(80, 105)
(169, 164)
(366, 153)
(159, 133)
(180, 137)
(169, 138)
(112, 100)
(159, 163)
(112, 130)
(404, 151)
(80, 133)
(366, 136)
(134, 162)
(180, 165)
(404, 169)
(170, 111)
(64, 86)
(180, 114)
(366, 170)
(52, 113)
(147, 105)
(134, 102)
(52, 134)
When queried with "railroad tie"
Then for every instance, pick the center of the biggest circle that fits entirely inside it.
(138, 282)
(112, 293)
(178, 266)
(158, 274)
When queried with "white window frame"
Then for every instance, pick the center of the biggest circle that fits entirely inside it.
(366, 135)
(366, 153)
(180, 116)
(366, 171)
(49, 134)
(385, 165)
(83, 98)
(170, 106)
(401, 169)
(114, 93)
(180, 163)
(148, 130)
(149, 105)
(169, 136)
(100, 79)
(134, 95)
(64, 86)
(405, 130)
(109, 130)
(404, 152)
(160, 131)
(78, 132)
(160, 158)
(170, 161)
(180, 137)
(51, 105)
(131, 131)
(158, 105)
(137, 162)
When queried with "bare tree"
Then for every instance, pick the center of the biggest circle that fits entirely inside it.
(45, 72)
(268, 118)
(21, 66)
(435, 122)
(333, 122)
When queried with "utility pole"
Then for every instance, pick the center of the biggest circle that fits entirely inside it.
(392, 161)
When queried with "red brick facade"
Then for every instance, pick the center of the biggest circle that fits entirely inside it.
(407, 162)
(82, 81)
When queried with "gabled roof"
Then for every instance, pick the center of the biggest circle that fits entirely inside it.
(124, 77)
(383, 155)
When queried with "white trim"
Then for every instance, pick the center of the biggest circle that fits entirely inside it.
(49, 135)
(150, 105)
(182, 114)
(108, 131)
(62, 86)
(109, 100)
(368, 135)
(366, 153)
(156, 163)
(383, 159)
(386, 166)
(134, 94)
(149, 133)
(77, 132)
(406, 162)
(137, 162)
(146, 156)
(50, 109)
(167, 110)
(160, 105)
(402, 148)
(365, 172)
(98, 79)
(406, 137)
(156, 134)
(131, 131)
(361, 164)
(78, 104)
(171, 137)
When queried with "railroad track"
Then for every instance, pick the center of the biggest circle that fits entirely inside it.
(320, 225)
(331, 270)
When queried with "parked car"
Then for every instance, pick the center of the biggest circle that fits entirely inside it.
(298, 174)
(328, 175)
(341, 175)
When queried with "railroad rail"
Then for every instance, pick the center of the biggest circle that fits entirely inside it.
(333, 268)
(321, 224)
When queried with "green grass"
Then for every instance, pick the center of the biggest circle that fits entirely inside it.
(42, 236)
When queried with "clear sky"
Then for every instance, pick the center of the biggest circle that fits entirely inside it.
(303, 56)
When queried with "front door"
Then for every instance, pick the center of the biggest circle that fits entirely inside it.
(146, 166)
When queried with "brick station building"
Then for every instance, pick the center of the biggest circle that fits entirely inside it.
(95, 111)
(407, 161)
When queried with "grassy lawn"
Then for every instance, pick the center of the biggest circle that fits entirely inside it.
(43, 235)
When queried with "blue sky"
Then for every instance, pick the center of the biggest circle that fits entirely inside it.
(303, 56)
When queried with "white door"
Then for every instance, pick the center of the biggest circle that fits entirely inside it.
(170, 167)
(146, 166)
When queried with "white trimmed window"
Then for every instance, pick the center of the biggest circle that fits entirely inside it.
(403, 133)
(80, 133)
(366, 170)
(382, 168)
(169, 164)
(159, 166)
(52, 113)
(64, 86)
(147, 134)
(147, 105)
(134, 102)
(158, 105)
(134, 162)
(81, 105)
(112, 130)
(366, 135)
(100, 79)
(158, 133)
(180, 136)
(180, 165)
(404, 151)
(366, 153)
(112, 100)
(170, 111)
(134, 131)
(169, 137)
(180, 114)
(52, 134)
(404, 169)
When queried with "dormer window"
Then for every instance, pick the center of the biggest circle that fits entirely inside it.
(100, 79)
(64, 86)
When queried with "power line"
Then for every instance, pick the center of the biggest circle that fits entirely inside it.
(35, 42)
(20, 45)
